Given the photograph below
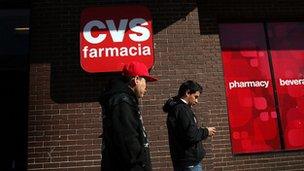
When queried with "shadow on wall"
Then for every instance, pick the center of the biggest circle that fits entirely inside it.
(55, 35)
(213, 12)
(55, 40)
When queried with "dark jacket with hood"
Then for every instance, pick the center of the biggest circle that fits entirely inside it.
(124, 143)
(184, 135)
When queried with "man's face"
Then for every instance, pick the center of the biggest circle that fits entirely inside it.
(192, 99)
(140, 88)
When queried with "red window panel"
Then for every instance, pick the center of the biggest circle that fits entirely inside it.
(249, 90)
(287, 50)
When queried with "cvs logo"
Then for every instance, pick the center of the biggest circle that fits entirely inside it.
(113, 36)
(117, 34)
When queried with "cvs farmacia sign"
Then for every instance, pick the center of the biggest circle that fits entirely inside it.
(113, 36)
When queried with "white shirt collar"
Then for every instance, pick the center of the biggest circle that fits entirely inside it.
(184, 101)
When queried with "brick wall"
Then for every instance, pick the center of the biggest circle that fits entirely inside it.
(64, 119)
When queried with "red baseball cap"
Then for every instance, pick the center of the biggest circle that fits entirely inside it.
(137, 69)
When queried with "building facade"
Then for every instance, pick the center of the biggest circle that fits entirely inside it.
(64, 116)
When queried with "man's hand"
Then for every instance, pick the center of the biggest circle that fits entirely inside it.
(211, 131)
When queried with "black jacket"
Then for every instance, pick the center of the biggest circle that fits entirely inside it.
(184, 135)
(124, 144)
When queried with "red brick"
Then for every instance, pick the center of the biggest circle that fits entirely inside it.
(64, 114)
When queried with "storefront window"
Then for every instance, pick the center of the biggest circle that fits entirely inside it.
(286, 42)
(265, 114)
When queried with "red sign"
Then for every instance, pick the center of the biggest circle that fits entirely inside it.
(113, 36)
(249, 89)
(264, 78)
(287, 51)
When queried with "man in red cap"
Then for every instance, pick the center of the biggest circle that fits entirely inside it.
(125, 145)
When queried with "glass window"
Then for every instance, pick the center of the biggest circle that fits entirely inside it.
(264, 79)
(286, 41)
(249, 89)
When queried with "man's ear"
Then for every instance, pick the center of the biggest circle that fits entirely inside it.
(136, 80)
(133, 82)
(187, 93)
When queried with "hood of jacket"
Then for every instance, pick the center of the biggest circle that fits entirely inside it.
(116, 86)
(170, 103)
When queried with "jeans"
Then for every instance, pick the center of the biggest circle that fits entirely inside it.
(197, 167)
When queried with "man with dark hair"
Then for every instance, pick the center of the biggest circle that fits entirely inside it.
(184, 135)
(125, 146)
